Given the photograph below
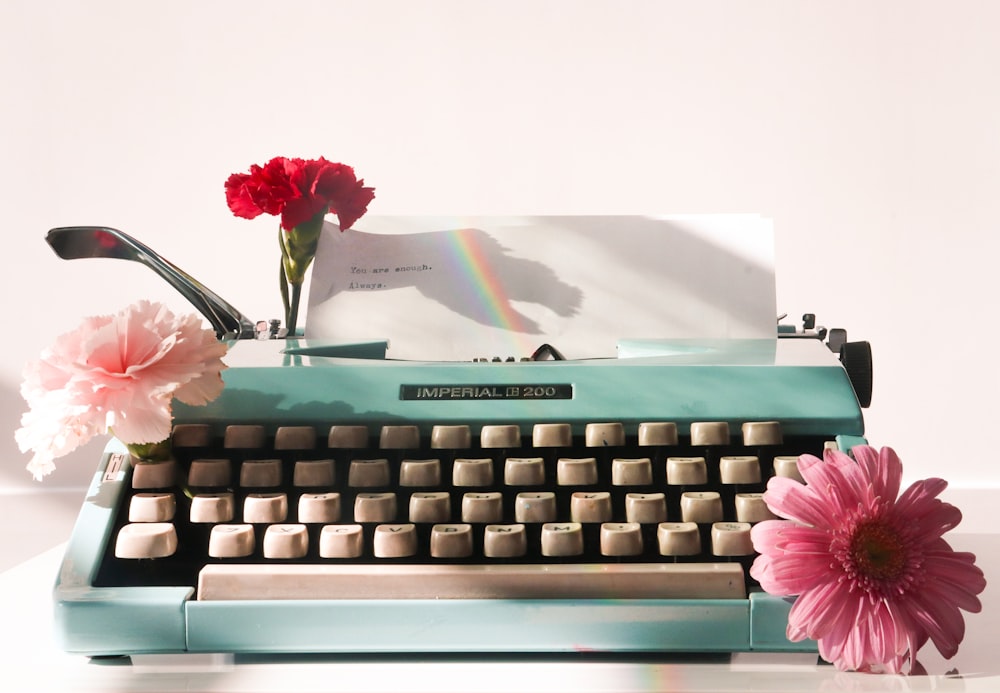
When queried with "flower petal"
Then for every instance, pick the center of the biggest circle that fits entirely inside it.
(119, 371)
(882, 469)
(789, 499)
(829, 608)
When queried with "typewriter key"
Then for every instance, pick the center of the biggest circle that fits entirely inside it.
(710, 433)
(621, 539)
(286, 541)
(657, 433)
(451, 541)
(500, 436)
(731, 539)
(341, 541)
(562, 539)
(678, 539)
(585, 506)
(146, 540)
(394, 541)
(319, 508)
(152, 507)
(631, 472)
(646, 508)
(231, 541)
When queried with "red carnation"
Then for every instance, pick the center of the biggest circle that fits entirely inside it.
(298, 190)
(302, 192)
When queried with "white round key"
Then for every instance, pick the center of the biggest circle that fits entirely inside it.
(731, 539)
(788, 466)
(260, 473)
(210, 473)
(191, 436)
(295, 438)
(750, 507)
(741, 469)
(504, 541)
(420, 473)
(399, 438)
(152, 507)
(212, 507)
(265, 507)
(312, 473)
(535, 506)
(710, 433)
(701, 507)
(598, 435)
(631, 472)
(231, 541)
(394, 541)
(576, 471)
(621, 539)
(678, 539)
(341, 541)
(375, 507)
(368, 473)
(687, 471)
(347, 437)
(244, 436)
(319, 508)
(430, 506)
(762, 433)
(451, 541)
(646, 508)
(146, 540)
(482, 507)
(552, 435)
(657, 433)
(562, 539)
(524, 471)
(500, 436)
(154, 474)
(472, 472)
(286, 541)
(590, 506)
(451, 437)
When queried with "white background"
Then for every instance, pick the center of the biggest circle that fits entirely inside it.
(868, 131)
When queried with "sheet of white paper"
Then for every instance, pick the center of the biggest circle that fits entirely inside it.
(458, 288)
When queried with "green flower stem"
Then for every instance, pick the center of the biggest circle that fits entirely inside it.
(293, 312)
(283, 285)
(150, 452)
(298, 249)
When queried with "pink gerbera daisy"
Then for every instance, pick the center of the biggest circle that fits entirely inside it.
(873, 575)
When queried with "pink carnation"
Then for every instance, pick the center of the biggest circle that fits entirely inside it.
(874, 577)
(117, 374)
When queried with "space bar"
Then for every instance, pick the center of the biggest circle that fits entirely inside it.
(396, 581)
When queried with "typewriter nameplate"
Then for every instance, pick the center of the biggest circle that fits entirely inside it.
(480, 392)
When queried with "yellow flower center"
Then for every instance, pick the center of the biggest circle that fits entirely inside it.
(878, 551)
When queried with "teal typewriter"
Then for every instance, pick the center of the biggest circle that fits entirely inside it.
(334, 500)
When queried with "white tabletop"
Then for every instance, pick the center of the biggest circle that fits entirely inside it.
(30, 660)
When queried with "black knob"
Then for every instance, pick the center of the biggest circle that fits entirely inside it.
(856, 358)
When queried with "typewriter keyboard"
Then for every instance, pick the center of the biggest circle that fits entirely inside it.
(384, 513)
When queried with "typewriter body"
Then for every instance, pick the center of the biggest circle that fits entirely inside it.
(788, 396)
(333, 500)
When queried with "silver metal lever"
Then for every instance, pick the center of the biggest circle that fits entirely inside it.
(75, 242)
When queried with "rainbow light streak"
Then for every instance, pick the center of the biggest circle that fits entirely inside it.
(484, 290)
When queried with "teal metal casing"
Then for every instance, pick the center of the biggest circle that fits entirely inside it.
(797, 382)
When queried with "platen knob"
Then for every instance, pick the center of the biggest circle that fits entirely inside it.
(856, 358)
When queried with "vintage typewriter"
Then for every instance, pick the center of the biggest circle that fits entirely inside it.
(336, 501)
